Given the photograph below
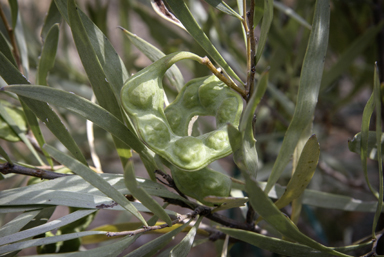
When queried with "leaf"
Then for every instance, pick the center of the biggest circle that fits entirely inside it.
(291, 13)
(5, 155)
(377, 96)
(48, 54)
(106, 94)
(17, 116)
(280, 246)
(265, 25)
(141, 195)
(95, 180)
(173, 74)
(14, 11)
(310, 81)
(182, 12)
(354, 144)
(53, 16)
(12, 76)
(5, 48)
(222, 6)
(305, 169)
(156, 244)
(17, 223)
(184, 247)
(45, 227)
(20, 37)
(47, 240)
(110, 250)
(355, 49)
(226, 202)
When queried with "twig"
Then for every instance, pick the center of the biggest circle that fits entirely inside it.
(205, 60)
(179, 219)
(11, 34)
(252, 50)
(6, 168)
(171, 182)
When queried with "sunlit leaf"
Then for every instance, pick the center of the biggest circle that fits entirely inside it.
(222, 6)
(17, 223)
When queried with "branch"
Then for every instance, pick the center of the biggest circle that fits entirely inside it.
(6, 168)
(171, 182)
(251, 55)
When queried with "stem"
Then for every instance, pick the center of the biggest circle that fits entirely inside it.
(11, 34)
(6, 168)
(251, 56)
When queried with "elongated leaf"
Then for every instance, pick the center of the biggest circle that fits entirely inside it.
(377, 95)
(141, 195)
(5, 155)
(17, 223)
(355, 49)
(265, 25)
(183, 248)
(6, 50)
(14, 11)
(47, 240)
(110, 250)
(182, 12)
(270, 213)
(12, 76)
(355, 143)
(173, 74)
(105, 94)
(19, 131)
(20, 40)
(310, 81)
(303, 174)
(366, 120)
(291, 13)
(47, 57)
(45, 227)
(12, 209)
(154, 245)
(282, 247)
(91, 177)
(18, 117)
(53, 17)
(222, 6)
(90, 111)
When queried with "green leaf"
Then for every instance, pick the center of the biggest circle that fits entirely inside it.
(305, 169)
(153, 246)
(280, 246)
(140, 194)
(5, 48)
(355, 49)
(5, 155)
(47, 240)
(182, 12)
(173, 74)
(91, 177)
(53, 16)
(12, 76)
(310, 81)
(20, 37)
(265, 25)
(48, 54)
(7, 132)
(17, 223)
(222, 6)
(378, 104)
(110, 250)
(291, 13)
(45, 227)
(355, 143)
(14, 11)
(183, 248)
(226, 202)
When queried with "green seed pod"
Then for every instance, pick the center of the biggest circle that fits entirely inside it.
(165, 131)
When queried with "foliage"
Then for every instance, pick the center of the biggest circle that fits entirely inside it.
(272, 96)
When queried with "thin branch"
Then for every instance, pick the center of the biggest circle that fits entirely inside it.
(11, 34)
(6, 168)
(179, 219)
(170, 182)
(205, 60)
(252, 49)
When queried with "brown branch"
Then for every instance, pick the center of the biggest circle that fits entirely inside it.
(6, 168)
(251, 55)
(170, 182)
(11, 34)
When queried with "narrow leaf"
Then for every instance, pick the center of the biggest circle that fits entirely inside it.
(53, 16)
(355, 143)
(291, 13)
(91, 177)
(5, 155)
(310, 81)
(48, 55)
(21, 41)
(222, 6)
(140, 194)
(265, 25)
(17, 223)
(184, 247)
(6, 49)
(182, 12)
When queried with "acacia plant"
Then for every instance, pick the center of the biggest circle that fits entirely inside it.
(235, 149)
